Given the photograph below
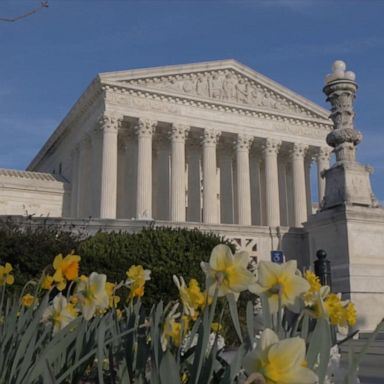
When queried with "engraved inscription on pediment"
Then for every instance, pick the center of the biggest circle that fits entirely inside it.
(225, 86)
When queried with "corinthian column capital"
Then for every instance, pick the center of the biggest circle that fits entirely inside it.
(210, 136)
(323, 153)
(109, 122)
(179, 132)
(298, 151)
(271, 146)
(145, 127)
(243, 142)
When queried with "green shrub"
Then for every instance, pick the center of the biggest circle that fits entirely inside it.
(165, 251)
(30, 250)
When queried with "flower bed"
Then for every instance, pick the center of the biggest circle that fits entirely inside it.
(72, 328)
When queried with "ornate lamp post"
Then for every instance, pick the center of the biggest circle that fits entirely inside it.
(347, 181)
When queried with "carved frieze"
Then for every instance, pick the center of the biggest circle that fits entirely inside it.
(225, 86)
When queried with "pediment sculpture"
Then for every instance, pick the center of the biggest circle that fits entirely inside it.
(225, 85)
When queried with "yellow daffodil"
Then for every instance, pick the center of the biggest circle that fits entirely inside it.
(47, 282)
(325, 304)
(191, 296)
(216, 327)
(113, 299)
(314, 288)
(66, 269)
(27, 300)
(173, 328)
(5, 274)
(227, 272)
(60, 313)
(282, 280)
(137, 276)
(277, 361)
(340, 314)
(92, 294)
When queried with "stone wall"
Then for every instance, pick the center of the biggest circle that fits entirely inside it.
(257, 240)
(33, 193)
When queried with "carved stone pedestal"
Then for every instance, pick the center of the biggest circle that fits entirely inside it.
(348, 183)
(353, 238)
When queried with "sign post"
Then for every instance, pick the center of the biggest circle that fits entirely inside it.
(277, 257)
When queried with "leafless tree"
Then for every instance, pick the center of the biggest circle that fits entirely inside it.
(43, 4)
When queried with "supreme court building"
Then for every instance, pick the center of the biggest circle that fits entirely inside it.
(219, 147)
(213, 143)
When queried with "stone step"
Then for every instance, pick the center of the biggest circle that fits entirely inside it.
(366, 335)
(376, 348)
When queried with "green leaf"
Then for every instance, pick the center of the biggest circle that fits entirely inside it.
(169, 370)
(250, 323)
(234, 315)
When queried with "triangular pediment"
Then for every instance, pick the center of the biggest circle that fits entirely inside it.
(224, 82)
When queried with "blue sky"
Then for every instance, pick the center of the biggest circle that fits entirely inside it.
(48, 59)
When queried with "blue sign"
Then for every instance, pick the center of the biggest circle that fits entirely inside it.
(277, 257)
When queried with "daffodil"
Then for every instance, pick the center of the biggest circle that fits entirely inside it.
(322, 303)
(227, 272)
(314, 288)
(191, 296)
(5, 274)
(174, 328)
(171, 329)
(47, 282)
(340, 314)
(280, 281)
(60, 313)
(277, 361)
(66, 269)
(136, 278)
(92, 295)
(113, 299)
(27, 300)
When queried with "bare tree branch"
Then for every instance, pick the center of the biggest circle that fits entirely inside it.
(43, 4)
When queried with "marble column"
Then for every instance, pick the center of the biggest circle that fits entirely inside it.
(282, 169)
(243, 179)
(178, 210)
(308, 192)
(322, 164)
(270, 149)
(122, 174)
(299, 193)
(144, 130)
(161, 178)
(194, 181)
(83, 195)
(226, 182)
(256, 189)
(74, 179)
(95, 184)
(210, 214)
(108, 192)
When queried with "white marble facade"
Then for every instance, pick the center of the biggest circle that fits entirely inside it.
(215, 143)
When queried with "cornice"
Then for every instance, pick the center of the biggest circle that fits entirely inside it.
(85, 101)
(213, 66)
(103, 85)
(116, 89)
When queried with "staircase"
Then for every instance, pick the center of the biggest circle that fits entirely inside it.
(372, 365)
